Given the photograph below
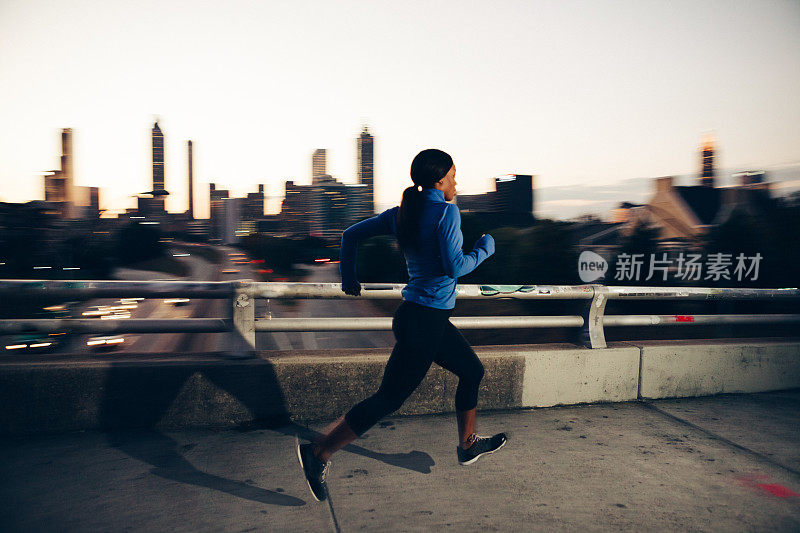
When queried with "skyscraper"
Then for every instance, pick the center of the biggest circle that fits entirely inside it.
(707, 162)
(326, 207)
(253, 208)
(297, 206)
(158, 168)
(216, 200)
(94, 202)
(191, 181)
(318, 164)
(364, 145)
(59, 186)
(512, 197)
(514, 193)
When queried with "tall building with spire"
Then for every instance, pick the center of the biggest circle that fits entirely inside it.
(707, 162)
(158, 169)
(191, 180)
(318, 165)
(59, 187)
(365, 149)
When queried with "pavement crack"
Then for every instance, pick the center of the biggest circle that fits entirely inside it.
(720, 438)
(333, 514)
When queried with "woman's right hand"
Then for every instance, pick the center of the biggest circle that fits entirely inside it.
(352, 288)
(486, 242)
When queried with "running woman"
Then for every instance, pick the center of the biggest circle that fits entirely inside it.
(429, 232)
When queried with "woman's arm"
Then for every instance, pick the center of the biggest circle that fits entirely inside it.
(455, 263)
(371, 227)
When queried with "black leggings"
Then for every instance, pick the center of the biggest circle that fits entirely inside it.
(424, 335)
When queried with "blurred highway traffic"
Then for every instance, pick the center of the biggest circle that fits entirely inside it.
(232, 265)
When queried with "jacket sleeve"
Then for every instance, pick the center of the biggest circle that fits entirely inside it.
(371, 227)
(454, 261)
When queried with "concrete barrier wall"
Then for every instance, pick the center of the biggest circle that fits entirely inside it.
(682, 369)
(191, 391)
(563, 374)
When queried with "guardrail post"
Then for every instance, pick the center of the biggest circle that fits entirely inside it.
(244, 323)
(592, 334)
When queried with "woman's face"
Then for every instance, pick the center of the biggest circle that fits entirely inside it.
(448, 184)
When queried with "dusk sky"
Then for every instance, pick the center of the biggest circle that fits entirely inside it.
(577, 93)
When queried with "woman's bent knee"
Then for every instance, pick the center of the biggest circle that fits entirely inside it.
(475, 375)
(481, 372)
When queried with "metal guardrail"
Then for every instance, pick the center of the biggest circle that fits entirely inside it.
(243, 324)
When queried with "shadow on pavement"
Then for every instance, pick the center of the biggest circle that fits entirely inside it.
(143, 397)
(162, 452)
(416, 460)
(154, 404)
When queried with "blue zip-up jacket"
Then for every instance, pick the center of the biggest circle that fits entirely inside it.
(438, 261)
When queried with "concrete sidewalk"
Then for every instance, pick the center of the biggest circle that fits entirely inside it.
(722, 463)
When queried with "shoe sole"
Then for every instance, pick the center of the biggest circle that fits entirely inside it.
(303, 468)
(465, 463)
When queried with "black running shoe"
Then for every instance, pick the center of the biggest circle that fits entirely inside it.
(481, 446)
(314, 469)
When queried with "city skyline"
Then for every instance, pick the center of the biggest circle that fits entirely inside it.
(579, 94)
(559, 202)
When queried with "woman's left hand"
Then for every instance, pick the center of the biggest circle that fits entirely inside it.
(353, 289)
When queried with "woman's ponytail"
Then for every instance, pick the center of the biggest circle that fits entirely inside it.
(408, 216)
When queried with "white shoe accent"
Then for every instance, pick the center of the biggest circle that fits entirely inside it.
(482, 454)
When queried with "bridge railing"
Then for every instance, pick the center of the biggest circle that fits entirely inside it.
(242, 323)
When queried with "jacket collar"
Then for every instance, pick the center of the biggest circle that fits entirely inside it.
(434, 195)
